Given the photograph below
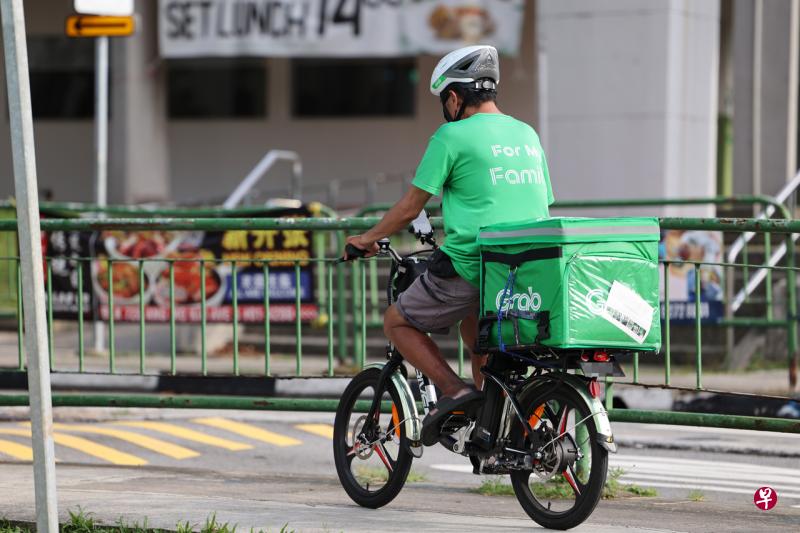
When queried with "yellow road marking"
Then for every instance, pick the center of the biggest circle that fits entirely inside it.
(17, 451)
(248, 430)
(86, 446)
(187, 434)
(157, 445)
(323, 430)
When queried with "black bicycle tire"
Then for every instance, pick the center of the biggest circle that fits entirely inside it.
(397, 478)
(599, 468)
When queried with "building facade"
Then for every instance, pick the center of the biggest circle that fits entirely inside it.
(628, 97)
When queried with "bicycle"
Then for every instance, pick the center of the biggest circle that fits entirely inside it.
(540, 424)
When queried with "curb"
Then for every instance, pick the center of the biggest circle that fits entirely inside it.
(738, 450)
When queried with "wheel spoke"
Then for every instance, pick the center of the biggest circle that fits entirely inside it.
(381, 451)
(572, 479)
(562, 421)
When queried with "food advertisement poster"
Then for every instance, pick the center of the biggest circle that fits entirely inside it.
(343, 28)
(692, 246)
(140, 272)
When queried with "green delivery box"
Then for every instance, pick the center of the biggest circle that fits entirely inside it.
(571, 283)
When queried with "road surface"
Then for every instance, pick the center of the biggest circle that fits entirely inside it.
(264, 470)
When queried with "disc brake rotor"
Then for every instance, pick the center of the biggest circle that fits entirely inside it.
(360, 443)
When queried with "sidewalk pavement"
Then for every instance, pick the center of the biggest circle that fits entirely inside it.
(166, 496)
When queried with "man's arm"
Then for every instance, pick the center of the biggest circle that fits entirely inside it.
(397, 218)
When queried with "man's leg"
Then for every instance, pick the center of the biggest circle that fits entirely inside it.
(469, 334)
(419, 350)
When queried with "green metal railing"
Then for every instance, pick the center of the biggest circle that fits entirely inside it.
(760, 201)
(344, 326)
(750, 200)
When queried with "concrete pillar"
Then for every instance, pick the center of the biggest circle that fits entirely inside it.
(139, 151)
(631, 106)
(765, 48)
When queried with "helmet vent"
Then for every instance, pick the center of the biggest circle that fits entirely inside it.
(466, 65)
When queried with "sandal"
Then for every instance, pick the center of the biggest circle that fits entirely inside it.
(431, 425)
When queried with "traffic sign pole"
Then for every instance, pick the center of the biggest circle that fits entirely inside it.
(101, 120)
(30, 251)
(101, 148)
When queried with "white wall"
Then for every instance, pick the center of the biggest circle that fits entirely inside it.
(152, 159)
(208, 158)
(631, 98)
(764, 166)
(64, 153)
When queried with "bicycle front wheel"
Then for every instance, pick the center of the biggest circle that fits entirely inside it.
(371, 457)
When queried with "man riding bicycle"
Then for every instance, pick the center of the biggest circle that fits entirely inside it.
(490, 168)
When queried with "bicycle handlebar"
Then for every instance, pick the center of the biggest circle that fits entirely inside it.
(352, 252)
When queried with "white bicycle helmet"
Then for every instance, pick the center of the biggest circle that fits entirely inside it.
(478, 64)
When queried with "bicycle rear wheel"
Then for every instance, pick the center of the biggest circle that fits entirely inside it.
(372, 465)
(564, 486)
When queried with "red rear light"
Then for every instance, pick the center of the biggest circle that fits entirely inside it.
(594, 388)
(600, 357)
(584, 357)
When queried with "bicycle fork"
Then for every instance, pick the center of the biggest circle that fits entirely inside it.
(426, 391)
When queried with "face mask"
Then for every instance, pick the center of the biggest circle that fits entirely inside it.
(446, 113)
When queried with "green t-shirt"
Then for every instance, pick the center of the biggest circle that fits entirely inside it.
(491, 169)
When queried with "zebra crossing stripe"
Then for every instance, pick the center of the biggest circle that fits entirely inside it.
(15, 450)
(323, 430)
(156, 445)
(249, 431)
(699, 486)
(86, 446)
(187, 434)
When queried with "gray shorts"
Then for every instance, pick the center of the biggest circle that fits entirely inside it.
(433, 304)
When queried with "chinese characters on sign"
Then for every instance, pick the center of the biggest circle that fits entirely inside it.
(765, 498)
(137, 265)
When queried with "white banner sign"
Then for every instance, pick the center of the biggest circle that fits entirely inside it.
(120, 8)
(269, 28)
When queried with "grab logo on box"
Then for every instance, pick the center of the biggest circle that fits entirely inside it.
(530, 301)
(118, 8)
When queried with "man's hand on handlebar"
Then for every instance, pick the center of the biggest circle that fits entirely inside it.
(356, 241)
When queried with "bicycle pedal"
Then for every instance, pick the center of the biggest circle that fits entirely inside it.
(453, 423)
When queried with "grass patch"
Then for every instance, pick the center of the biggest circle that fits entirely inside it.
(558, 488)
(378, 474)
(416, 477)
(494, 486)
(696, 495)
(614, 489)
(759, 362)
(636, 490)
(7, 526)
(82, 522)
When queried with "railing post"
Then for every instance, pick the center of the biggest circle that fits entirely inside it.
(791, 340)
(330, 320)
(356, 296)
(609, 399)
(667, 354)
(698, 335)
(142, 339)
(298, 321)
(341, 306)
(363, 317)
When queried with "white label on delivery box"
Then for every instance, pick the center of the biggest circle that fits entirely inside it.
(628, 311)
